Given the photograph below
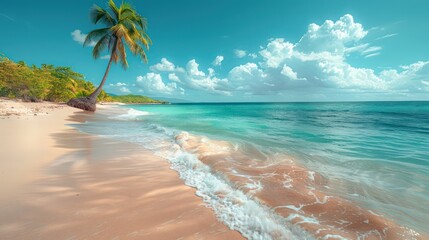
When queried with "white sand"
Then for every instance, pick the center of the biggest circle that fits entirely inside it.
(56, 183)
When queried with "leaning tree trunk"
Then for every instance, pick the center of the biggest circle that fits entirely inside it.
(89, 103)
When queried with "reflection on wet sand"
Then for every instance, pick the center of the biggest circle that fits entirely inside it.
(104, 189)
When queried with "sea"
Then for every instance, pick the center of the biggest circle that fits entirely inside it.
(337, 170)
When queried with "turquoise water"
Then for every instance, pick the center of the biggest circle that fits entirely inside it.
(376, 154)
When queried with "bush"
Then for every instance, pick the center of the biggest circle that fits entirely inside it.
(50, 83)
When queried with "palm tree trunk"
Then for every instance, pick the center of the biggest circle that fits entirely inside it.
(89, 103)
(97, 91)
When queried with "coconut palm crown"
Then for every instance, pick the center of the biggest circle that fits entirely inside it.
(123, 26)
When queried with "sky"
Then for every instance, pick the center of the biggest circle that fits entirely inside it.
(241, 51)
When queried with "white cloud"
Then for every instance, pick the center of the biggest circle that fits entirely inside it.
(153, 83)
(118, 84)
(120, 87)
(371, 50)
(79, 37)
(276, 52)
(124, 90)
(218, 61)
(245, 72)
(317, 63)
(250, 79)
(190, 76)
(288, 72)
(386, 36)
(319, 60)
(240, 53)
(372, 55)
(331, 36)
(105, 57)
(163, 66)
(357, 48)
(173, 77)
(192, 69)
(253, 55)
(199, 80)
(411, 78)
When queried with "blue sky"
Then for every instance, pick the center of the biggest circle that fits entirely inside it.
(327, 50)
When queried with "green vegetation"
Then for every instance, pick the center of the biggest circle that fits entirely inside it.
(123, 26)
(135, 99)
(51, 83)
(48, 83)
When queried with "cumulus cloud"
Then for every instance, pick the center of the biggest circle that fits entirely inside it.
(276, 52)
(331, 36)
(118, 84)
(79, 37)
(317, 63)
(319, 60)
(410, 78)
(289, 73)
(248, 78)
(240, 53)
(119, 87)
(173, 77)
(197, 79)
(153, 83)
(124, 90)
(218, 61)
(165, 66)
(190, 77)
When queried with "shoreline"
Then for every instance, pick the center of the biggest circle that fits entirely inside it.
(84, 186)
(289, 191)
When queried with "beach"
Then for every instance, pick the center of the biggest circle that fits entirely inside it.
(291, 170)
(59, 183)
(139, 171)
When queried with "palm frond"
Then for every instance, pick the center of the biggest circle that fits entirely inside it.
(101, 45)
(126, 10)
(98, 14)
(141, 37)
(142, 22)
(114, 9)
(122, 54)
(141, 53)
(95, 35)
(124, 27)
(131, 42)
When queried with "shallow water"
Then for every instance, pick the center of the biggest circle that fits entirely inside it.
(328, 170)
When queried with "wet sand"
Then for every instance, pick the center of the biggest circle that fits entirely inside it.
(295, 193)
(57, 183)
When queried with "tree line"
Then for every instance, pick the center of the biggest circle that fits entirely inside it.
(51, 83)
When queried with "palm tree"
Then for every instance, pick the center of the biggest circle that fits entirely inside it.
(123, 26)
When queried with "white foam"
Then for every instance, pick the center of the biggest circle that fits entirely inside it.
(132, 114)
(311, 175)
(237, 210)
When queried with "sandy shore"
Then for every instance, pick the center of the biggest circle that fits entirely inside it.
(56, 183)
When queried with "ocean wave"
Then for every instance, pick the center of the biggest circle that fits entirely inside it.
(261, 199)
(272, 201)
(132, 114)
(233, 207)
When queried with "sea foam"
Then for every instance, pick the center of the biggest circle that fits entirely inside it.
(132, 114)
(233, 207)
(240, 208)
